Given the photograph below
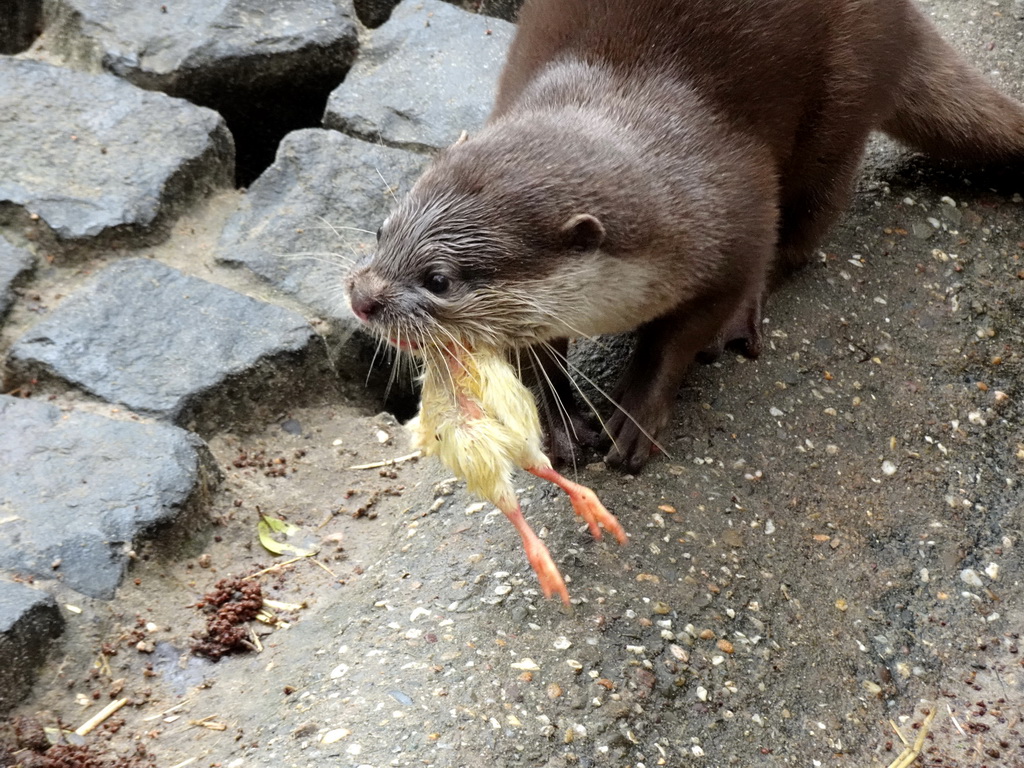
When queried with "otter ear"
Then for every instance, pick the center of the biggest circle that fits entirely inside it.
(583, 232)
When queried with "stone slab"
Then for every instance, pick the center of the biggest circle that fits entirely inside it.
(79, 490)
(425, 76)
(266, 66)
(196, 45)
(14, 263)
(314, 211)
(165, 344)
(95, 158)
(29, 623)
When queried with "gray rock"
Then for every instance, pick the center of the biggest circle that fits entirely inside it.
(29, 623)
(503, 9)
(20, 23)
(427, 75)
(184, 47)
(162, 343)
(96, 158)
(315, 210)
(266, 66)
(78, 490)
(14, 263)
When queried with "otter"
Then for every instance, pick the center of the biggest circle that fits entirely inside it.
(656, 167)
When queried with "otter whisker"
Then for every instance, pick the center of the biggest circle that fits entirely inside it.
(561, 359)
(433, 351)
(390, 189)
(395, 365)
(567, 368)
(331, 258)
(556, 320)
(560, 407)
(336, 228)
(376, 351)
(464, 350)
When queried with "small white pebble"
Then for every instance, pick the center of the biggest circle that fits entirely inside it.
(679, 652)
(775, 412)
(527, 665)
(336, 734)
(702, 693)
(562, 643)
(769, 527)
(503, 589)
(970, 577)
(888, 468)
(992, 571)
(924, 575)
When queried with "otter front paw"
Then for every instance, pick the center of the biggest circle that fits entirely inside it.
(635, 426)
(568, 438)
(633, 442)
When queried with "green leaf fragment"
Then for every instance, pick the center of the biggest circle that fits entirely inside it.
(275, 533)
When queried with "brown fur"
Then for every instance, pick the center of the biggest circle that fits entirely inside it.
(651, 165)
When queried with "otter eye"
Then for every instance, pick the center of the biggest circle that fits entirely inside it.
(378, 233)
(437, 283)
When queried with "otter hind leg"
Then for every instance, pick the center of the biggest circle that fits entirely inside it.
(742, 332)
(814, 195)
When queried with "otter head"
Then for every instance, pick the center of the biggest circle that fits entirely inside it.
(475, 254)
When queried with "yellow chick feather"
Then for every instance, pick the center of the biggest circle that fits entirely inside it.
(483, 447)
(481, 421)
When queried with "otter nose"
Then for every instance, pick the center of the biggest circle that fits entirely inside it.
(364, 305)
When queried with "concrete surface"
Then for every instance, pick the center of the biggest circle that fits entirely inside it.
(832, 544)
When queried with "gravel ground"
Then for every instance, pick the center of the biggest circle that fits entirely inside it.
(830, 550)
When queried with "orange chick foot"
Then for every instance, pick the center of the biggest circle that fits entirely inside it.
(586, 504)
(551, 582)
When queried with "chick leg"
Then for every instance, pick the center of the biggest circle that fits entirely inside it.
(537, 553)
(585, 502)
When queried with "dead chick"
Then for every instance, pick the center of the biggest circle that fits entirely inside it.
(481, 421)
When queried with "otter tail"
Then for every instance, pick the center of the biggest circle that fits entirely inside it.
(946, 108)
